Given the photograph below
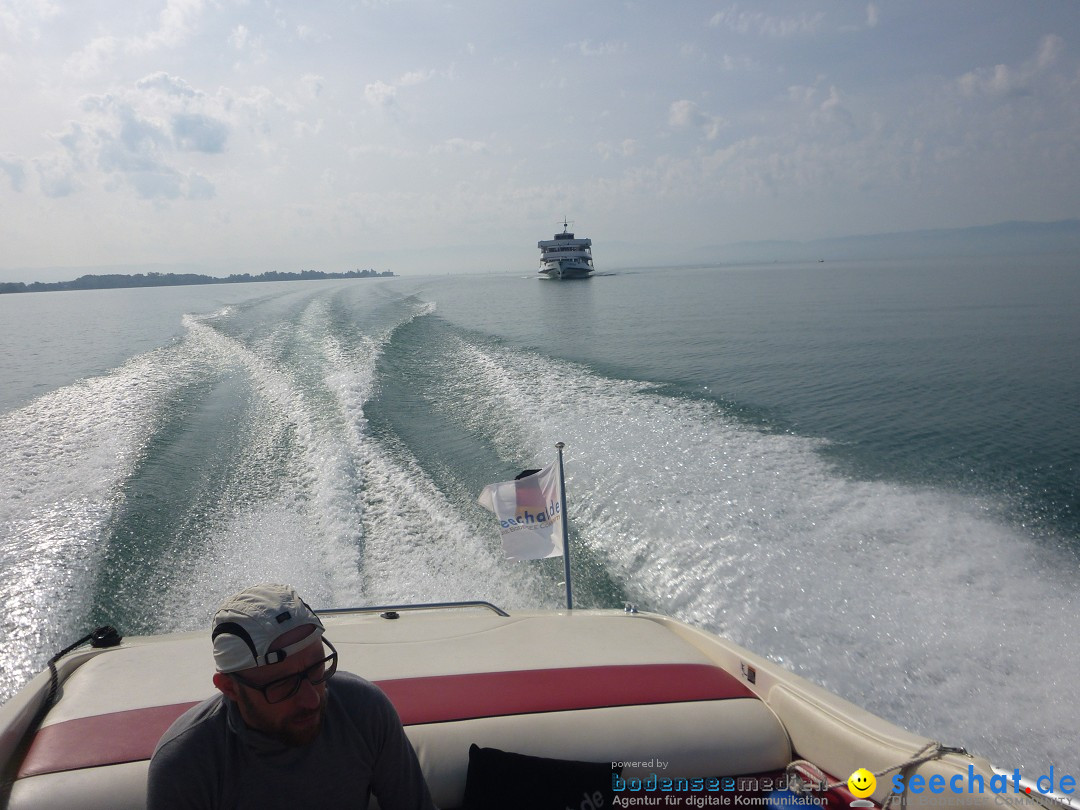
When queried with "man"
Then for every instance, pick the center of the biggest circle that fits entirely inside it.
(286, 729)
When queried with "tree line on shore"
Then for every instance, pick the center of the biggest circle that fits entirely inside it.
(117, 280)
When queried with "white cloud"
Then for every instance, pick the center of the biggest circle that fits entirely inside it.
(360, 150)
(626, 148)
(742, 64)
(91, 59)
(833, 110)
(194, 132)
(770, 25)
(169, 85)
(240, 38)
(137, 138)
(199, 188)
(872, 16)
(1051, 48)
(305, 129)
(685, 114)
(311, 86)
(380, 94)
(185, 106)
(415, 77)
(13, 167)
(55, 177)
(457, 146)
(21, 19)
(177, 21)
(587, 48)
(801, 94)
(1003, 80)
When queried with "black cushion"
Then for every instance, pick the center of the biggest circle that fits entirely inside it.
(501, 779)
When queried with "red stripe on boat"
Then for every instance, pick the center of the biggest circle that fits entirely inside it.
(130, 736)
(103, 739)
(495, 694)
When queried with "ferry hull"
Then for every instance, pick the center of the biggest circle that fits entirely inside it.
(565, 270)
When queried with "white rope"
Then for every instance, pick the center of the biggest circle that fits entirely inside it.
(803, 776)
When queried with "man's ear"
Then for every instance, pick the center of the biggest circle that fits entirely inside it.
(225, 685)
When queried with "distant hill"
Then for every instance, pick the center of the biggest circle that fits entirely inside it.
(1004, 239)
(119, 280)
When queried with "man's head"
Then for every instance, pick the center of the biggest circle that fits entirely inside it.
(247, 625)
(268, 661)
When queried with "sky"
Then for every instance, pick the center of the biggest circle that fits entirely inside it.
(226, 136)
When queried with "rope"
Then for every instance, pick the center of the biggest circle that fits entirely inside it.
(803, 776)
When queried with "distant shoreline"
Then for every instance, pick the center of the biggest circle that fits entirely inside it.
(120, 281)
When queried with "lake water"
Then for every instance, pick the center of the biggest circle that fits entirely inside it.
(869, 472)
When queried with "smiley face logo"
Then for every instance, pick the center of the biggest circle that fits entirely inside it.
(862, 783)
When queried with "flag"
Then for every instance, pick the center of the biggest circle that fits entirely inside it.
(530, 514)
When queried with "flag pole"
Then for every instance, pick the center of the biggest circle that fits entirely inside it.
(565, 530)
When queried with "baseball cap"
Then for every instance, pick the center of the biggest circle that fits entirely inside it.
(247, 624)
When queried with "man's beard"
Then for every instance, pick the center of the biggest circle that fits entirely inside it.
(295, 730)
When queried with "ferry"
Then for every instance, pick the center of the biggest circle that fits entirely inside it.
(588, 708)
(565, 256)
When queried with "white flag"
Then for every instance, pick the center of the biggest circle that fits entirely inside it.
(530, 514)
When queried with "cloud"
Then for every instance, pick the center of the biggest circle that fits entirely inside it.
(1004, 81)
(194, 132)
(415, 77)
(166, 84)
(586, 48)
(380, 95)
(305, 129)
(21, 19)
(136, 137)
(199, 188)
(89, 61)
(872, 17)
(177, 21)
(626, 148)
(360, 150)
(832, 110)
(769, 25)
(240, 37)
(383, 96)
(14, 169)
(56, 175)
(457, 146)
(1051, 48)
(685, 114)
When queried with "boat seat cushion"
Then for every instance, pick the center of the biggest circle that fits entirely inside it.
(500, 779)
(674, 720)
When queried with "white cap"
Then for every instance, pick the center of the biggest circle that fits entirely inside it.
(249, 622)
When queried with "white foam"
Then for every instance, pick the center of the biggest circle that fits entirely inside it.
(889, 595)
(926, 607)
(66, 456)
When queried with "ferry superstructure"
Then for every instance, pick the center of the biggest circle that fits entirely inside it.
(565, 256)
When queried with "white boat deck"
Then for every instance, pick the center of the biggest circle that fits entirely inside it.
(597, 686)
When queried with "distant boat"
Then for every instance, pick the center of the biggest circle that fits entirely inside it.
(565, 256)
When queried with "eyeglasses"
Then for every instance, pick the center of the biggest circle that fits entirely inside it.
(284, 688)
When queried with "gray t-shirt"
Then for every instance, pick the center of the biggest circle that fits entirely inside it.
(210, 759)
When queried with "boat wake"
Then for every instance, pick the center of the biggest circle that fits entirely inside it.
(890, 595)
(299, 440)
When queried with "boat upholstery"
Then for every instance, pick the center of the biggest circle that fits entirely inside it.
(494, 683)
